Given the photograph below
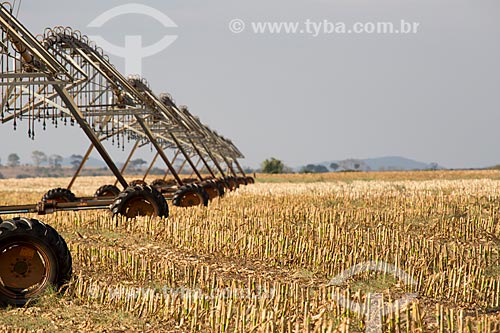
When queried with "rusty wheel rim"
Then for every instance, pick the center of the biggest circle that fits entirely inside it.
(137, 182)
(61, 200)
(232, 185)
(212, 192)
(139, 207)
(107, 194)
(25, 269)
(190, 199)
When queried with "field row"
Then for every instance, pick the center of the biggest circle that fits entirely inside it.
(281, 258)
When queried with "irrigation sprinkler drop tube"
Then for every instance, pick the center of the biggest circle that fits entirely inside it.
(73, 108)
(163, 156)
(129, 157)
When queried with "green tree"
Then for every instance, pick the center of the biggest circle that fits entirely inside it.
(308, 168)
(76, 160)
(13, 160)
(312, 168)
(272, 165)
(55, 161)
(137, 163)
(334, 166)
(38, 157)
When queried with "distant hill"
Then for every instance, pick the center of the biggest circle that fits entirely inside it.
(378, 164)
(397, 163)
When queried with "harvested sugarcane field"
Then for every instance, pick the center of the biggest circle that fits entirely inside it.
(267, 257)
(266, 166)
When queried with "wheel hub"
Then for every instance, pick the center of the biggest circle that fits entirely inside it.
(212, 192)
(190, 199)
(23, 267)
(139, 207)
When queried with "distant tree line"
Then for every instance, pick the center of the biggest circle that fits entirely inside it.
(39, 158)
(312, 168)
(272, 165)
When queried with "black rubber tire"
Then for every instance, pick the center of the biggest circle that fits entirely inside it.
(134, 193)
(107, 191)
(164, 186)
(250, 180)
(231, 183)
(189, 180)
(224, 183)
(221, 186)
(171, 182)
(211, 187)
(190, 188)
(60, 195)
(30, 232)
(203, 193)
(159, 183)
(241, 181)
(137, 182)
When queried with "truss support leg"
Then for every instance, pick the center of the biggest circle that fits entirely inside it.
(239, 167)
(173, 161)
(196, 166)
(129, 157)
(186, 156)
(216, 163)
(80, 167)
(203, 160)
(181, 167)
(229, 166)
(163, 156)
(73, 108)
(150, 166)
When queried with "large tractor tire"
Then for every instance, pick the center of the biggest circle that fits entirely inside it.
(221, 186)
(160, 183)
(107, 191)
(140, 200)
(211, 188)
(241, 181)
(189, 180)
(203, 193)
(33, 256)
(137, 182)
(250, 180)
(190, 195)
(164, 186)
(231, 183)
(59, 195)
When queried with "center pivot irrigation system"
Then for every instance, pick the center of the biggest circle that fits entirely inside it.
(61, 78)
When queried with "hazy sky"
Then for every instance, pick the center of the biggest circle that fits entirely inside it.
(431, 96)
